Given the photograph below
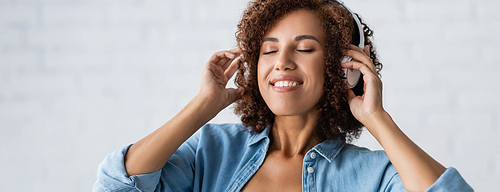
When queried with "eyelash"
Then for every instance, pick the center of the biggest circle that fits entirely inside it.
(304, 50)
(269, 52)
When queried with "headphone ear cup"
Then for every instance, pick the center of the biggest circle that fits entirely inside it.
(351, 75)
(345, 59)
(358, 89)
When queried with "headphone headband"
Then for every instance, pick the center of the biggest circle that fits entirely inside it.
(358, 28)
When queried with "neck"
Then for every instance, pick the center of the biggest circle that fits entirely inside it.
(294, 135)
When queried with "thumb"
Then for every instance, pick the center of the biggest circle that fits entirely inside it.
(233, 95)
(350, 96)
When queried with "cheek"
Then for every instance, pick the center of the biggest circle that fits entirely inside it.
(259, 75)
(319, 71)
(319, 82)
(262, 72)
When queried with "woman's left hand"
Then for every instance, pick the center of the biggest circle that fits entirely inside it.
(365, 107)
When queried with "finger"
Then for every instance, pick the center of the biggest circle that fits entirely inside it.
(216, 57)
(367, 50)
(368, 74)
(217, 75)
(373, 84)
(225, 63)
(354, 47)
(221, 57)
(233, 67)
(350, 96)
(236, 51)
(363, 58)
(231, 56)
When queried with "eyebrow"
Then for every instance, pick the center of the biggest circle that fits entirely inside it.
(298, 38)
(302, 37)
(272, 39)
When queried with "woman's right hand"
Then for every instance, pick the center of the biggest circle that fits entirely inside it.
(152, 152)
(215, 76)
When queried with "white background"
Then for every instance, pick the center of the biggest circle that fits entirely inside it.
(81, 78)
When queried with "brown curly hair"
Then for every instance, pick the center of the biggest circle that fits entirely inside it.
(335, 118)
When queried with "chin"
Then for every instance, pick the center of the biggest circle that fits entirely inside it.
(289, 109)
(284, 112)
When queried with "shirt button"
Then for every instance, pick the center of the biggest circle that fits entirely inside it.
(310, 170)
(313, 155)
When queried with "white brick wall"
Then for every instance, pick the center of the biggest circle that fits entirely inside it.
(78, 79)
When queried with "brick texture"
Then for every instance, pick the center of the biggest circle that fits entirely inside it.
(78, 79)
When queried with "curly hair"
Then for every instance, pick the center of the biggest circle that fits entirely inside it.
(335, 118)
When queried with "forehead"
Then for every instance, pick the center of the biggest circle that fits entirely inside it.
(299, 22)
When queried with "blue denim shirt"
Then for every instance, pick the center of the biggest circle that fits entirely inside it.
(224, 158)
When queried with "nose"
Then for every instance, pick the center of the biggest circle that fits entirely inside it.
(285, 61)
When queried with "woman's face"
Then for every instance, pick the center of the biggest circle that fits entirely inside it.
(291, 64)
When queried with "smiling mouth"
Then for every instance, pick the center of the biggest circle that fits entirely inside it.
(286, 81)
(286, 84)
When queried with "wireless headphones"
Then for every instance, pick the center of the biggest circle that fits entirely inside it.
(353, 77)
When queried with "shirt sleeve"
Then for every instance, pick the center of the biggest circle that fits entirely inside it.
(112, 176)
(450, 181)
(176, 175)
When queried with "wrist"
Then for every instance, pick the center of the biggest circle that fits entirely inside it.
(376, 121)
(204, 106)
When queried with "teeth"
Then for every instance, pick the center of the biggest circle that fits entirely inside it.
(285, 84)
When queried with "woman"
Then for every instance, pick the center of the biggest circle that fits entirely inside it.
(298, 113)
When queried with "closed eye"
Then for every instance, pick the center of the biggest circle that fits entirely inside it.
(306, 50)
(269, 52)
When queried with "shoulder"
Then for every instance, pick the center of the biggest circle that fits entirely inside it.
(223, 131)
(223, 135)
(354, 151)
(216, 135)
(372, 168)
(363, 158)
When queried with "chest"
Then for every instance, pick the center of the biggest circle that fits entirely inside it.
(277, 174)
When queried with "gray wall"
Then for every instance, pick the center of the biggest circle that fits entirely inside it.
(81, 78)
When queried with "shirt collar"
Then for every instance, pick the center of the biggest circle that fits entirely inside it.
(257, 137)
(329, 149)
